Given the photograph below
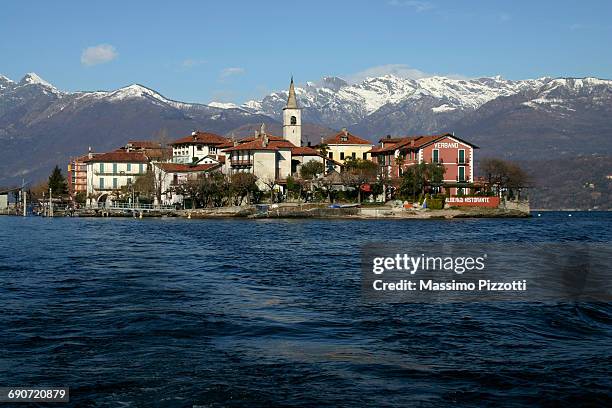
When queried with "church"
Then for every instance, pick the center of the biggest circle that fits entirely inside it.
(274, 158)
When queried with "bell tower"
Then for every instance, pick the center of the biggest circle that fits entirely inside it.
(292, 119)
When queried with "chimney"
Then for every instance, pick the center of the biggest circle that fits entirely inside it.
(265, 140)
(345, 131)
(388, 136)
(322, 140)
(411, 142)
(89, 153)
(195, 135)
(309, 143)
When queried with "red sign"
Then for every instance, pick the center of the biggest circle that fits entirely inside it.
(492, 202)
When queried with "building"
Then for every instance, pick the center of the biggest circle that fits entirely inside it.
(197, 146)
(344, 144)
(273, 158)
(394, 155)
(267, 157)
(292, 119)
(112, 171)
(77, 175)
(171, 175)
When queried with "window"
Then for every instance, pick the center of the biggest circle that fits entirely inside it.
(293, 120)
(354, 155)
(331, 155)
(114, 168)
(101, 167)
(435, 156)
(114, 183)
(461, 173)
(365, 156)
(212, 150)
(461, 156)
(129, 167)
(341, 155)
(344, 138)
(199, 147)
(101, 183)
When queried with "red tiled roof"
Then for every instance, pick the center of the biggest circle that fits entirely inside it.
(186, 168)
(419, 141)
(251, 138)
(202, 138)
(350, 139)
(119, 156)
(258, 144)
(304, 151)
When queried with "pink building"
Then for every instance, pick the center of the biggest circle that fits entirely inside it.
(394, 155)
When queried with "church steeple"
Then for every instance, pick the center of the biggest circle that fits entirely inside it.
(291, 101)
(292, 118)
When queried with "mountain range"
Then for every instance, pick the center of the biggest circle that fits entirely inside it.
(565, 122)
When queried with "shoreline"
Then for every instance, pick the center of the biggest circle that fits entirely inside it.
(304, 211)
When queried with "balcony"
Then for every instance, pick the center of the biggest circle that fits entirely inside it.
(241, 162)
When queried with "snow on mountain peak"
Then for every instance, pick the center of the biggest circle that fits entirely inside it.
(223, 105)
(134, 91)
(33, 78)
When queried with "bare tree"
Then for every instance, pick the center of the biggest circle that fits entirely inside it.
(270, 183)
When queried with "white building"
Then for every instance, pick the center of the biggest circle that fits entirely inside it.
(197, 146)
(292, 119)
(111, 171)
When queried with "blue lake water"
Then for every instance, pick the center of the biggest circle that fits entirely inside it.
(177, 313)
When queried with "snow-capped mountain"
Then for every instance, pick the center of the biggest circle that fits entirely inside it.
(334, 102)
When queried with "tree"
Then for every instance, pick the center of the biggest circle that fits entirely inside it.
(503, 175)
(295, 186)
(311, 169)
(359, 172)
(242, 185)
(57, 182)
(145, 184)
(270, 183)
(417, 177)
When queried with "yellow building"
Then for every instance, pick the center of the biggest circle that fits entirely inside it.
(344, 145)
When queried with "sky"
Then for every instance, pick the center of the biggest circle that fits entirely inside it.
(233, 51)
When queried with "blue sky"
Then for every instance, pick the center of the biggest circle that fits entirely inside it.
(232, 50)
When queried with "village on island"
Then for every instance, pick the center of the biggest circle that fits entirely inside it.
(204, 174)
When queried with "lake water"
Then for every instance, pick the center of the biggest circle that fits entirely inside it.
(177, 313)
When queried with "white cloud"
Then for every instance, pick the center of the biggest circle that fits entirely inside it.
(417, 5)
(231, 71)
(398, 70)
(98, 54)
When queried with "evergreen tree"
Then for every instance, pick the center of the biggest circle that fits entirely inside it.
(57, 182)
